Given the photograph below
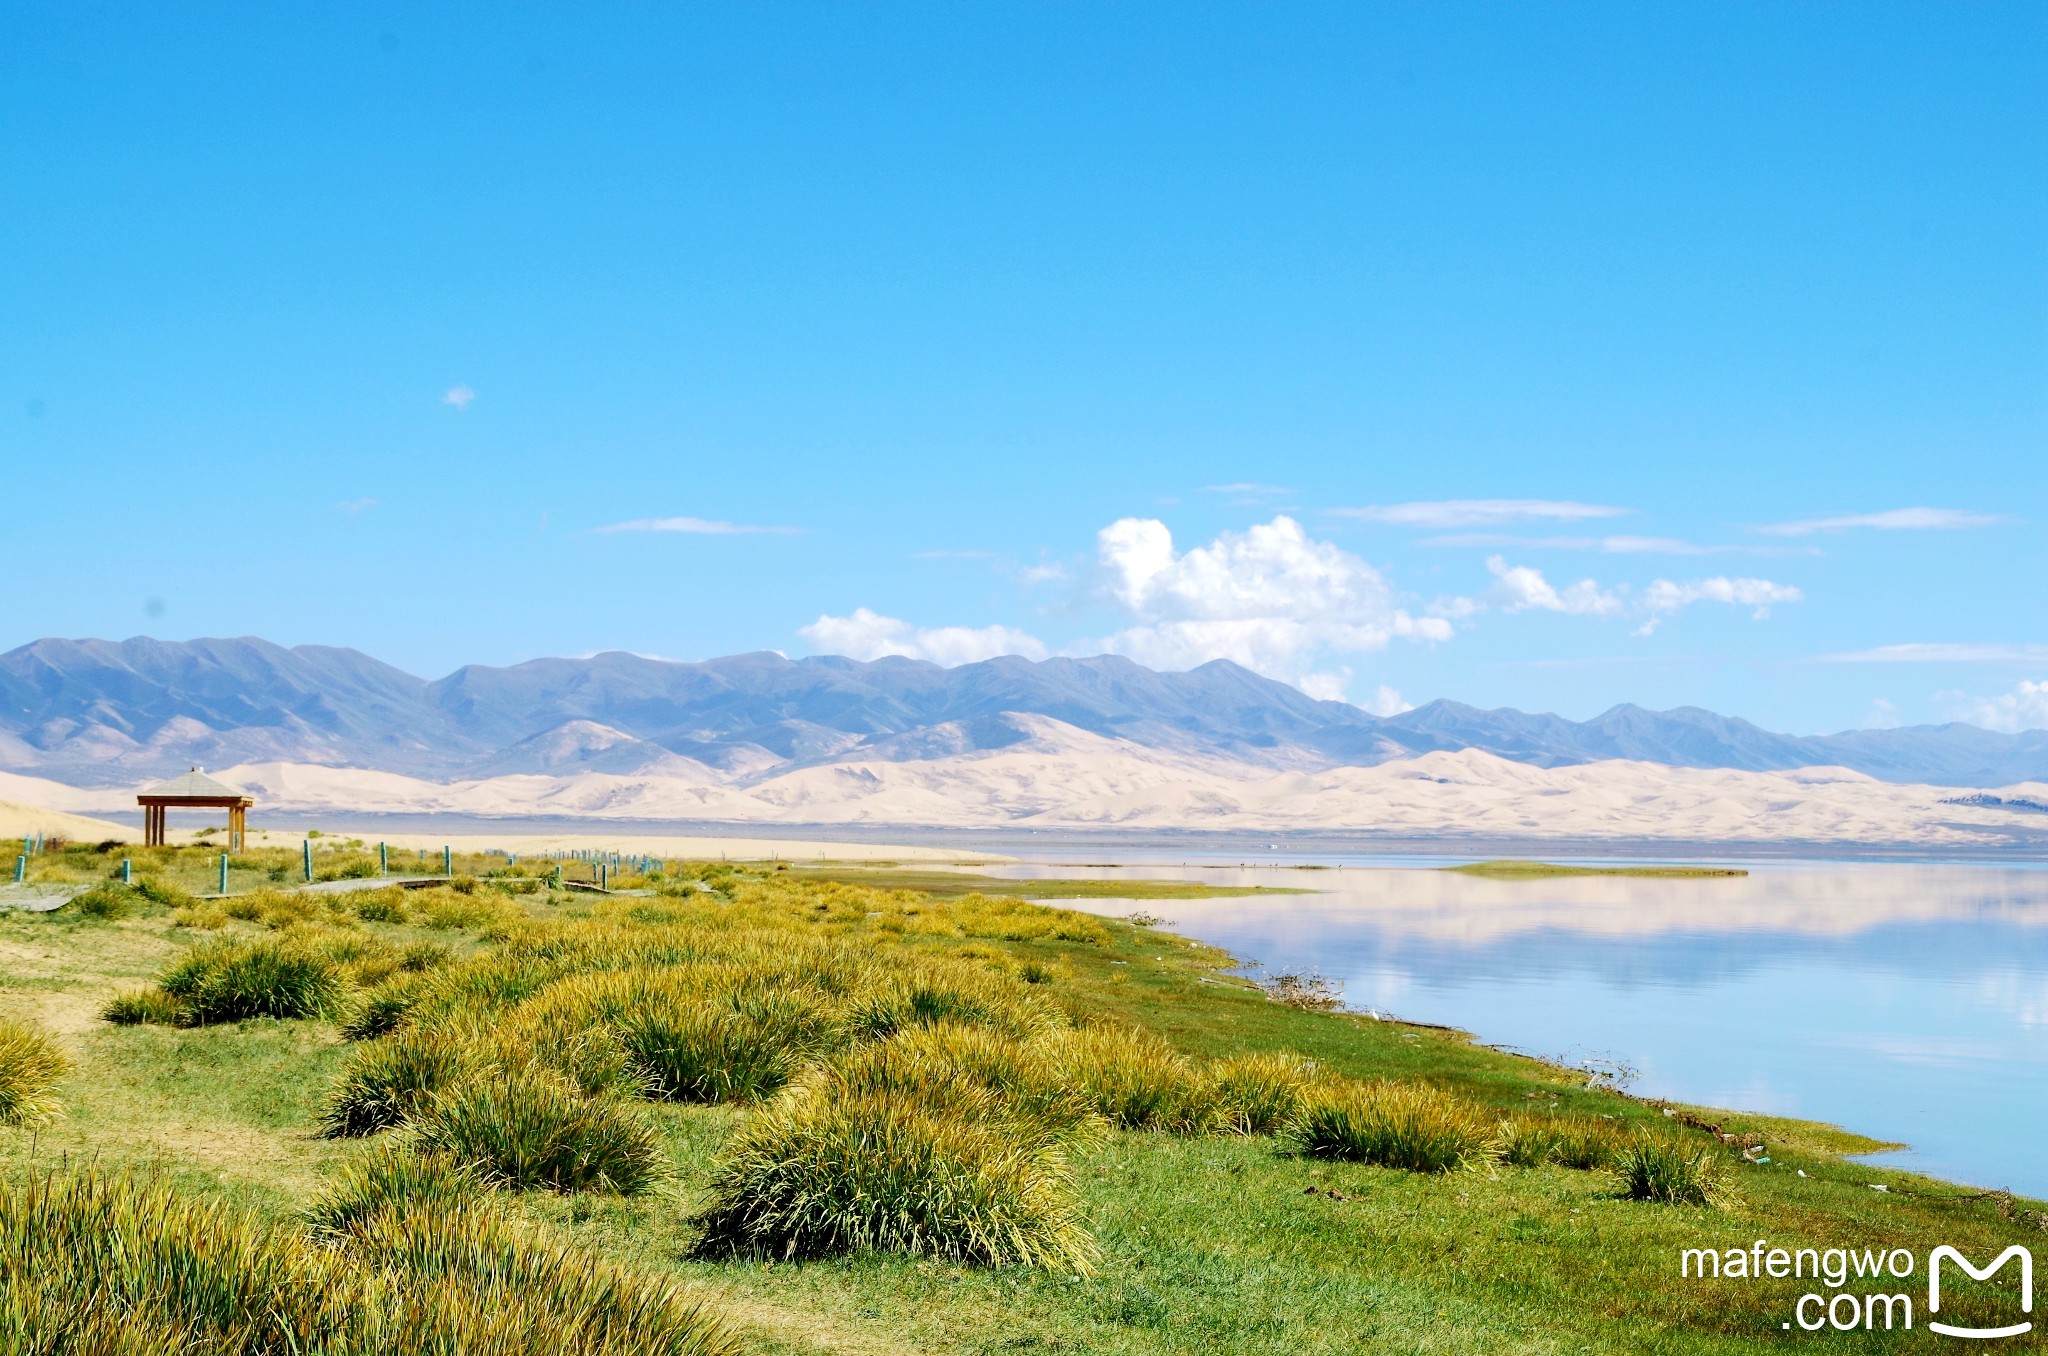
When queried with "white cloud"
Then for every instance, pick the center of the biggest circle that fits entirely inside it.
(356, 505)
(869, 635)
(458, 396)
(1387, 702)
(1478, 512)
(2023, 708)
(1918, 652)
(701, 527)
(1618, 545)
(1270, 598)
(1890, 520)
(1522, 588)
(1664, 597)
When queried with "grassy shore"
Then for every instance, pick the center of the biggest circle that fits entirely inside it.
(1520, 870)
(1196, 1233)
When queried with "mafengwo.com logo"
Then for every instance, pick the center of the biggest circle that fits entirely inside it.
(1875, 1289)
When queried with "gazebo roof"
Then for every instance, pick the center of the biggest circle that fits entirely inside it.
(193, 785)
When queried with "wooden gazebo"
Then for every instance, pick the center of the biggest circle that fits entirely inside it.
(194, 791)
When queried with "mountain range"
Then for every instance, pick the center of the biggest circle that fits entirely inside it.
(108, 713)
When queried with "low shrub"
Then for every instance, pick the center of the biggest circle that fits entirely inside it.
(230, 981)
(1396, 1125)
(380, 906)
(385, 1081)
(201, 917)
(527, 1127)
(1647, 1169)
(832, 1168)
(30, 1065)
(1258, 1094)
(1133, 1080)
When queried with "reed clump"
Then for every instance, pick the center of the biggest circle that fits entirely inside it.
(1410, 1126)
(31, 1064)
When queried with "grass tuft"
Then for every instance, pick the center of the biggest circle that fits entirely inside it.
(31, 1063)
(841, 1165)
(1647, 1169)
(232, 981)
(1134, 1080)
(1410, 1126)
(1567, 1141)
(1259, 1094)
(383, 1082)
(526, 1127)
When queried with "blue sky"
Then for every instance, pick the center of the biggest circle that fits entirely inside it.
(1534, 355)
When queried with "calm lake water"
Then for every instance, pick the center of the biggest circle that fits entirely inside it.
(1905, 1002)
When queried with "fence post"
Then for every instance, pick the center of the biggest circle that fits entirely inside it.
(127, 872)
(383, 859)
(306, 857)
(223, 873)
(21, 867)
(604, 876)
(447, 861)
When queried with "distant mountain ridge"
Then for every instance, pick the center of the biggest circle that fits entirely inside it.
(106, 713)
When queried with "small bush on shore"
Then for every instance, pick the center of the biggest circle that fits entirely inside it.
(30, 1065)
(1647, 1169)
(1410, 1126)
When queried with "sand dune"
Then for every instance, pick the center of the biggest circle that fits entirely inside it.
(1065, 778)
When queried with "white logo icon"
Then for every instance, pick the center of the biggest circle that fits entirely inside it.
(1934, 1289)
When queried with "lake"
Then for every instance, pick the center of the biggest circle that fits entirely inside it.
(1905, 1002)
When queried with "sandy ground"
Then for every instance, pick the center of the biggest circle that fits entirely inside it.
(653, 845)
(17, 820)
(1063, 779)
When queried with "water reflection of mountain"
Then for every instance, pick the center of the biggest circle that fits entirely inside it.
(1667, 959)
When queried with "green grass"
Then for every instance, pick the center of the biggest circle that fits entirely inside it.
(31, 1063)
(1518, 870)
(1221, 1241)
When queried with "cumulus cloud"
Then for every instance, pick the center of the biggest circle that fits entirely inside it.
(1478, 512)
(2023, 708)
(869, 635)
(1270, 598)
(701, 527)
(1664, 597)
(458, 396)
(1521, 588)
(1385, 701)
(1890, 520)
